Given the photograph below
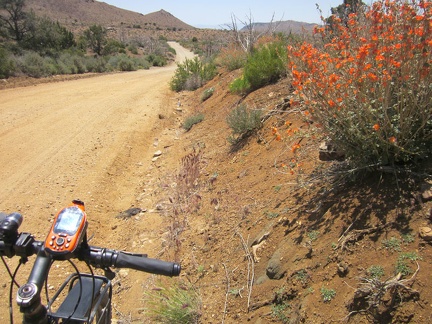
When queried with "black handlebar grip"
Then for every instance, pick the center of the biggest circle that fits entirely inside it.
(142, 263)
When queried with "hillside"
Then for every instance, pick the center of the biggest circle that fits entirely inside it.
(262, 244)
(77, 13)
(286, 26)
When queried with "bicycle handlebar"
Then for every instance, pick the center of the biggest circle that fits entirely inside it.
(13, 243)
(102, 258)
(24, 245)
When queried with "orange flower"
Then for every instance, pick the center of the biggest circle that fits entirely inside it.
(396, 64)
(295, 147)
(392, 140)
(372, 76)
(376, 127)
(380, 57)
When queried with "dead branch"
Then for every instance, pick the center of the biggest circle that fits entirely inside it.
(373, 290)
(251, 269)
(355, 235)
(247, 36)
(226, 293)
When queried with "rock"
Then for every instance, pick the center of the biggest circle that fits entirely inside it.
(157, 153)
(425, 233)
(123, 273)
(260, 280)
(329, 152)
(130, 212)
(426, 191)
(342, 268)
(274, 267)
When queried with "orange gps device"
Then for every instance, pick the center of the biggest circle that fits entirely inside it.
(67, 231)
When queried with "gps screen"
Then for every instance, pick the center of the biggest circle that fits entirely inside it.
(68, 221)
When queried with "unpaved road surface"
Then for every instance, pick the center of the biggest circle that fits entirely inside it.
(91, 139)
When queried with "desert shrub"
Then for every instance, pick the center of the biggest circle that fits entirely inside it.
(266, 65)
(207, 93)
(6, 64)
(369, 84)
(133, 49)
(34, 65)
(122, 63)
(192, 74)
(243, 121)
(126, 64)
(177, 303)
(156, 60)
(192, 120)
(96, 64)
(232, 58)
(240, 86)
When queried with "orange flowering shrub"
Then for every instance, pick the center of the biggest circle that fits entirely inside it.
(368, 82)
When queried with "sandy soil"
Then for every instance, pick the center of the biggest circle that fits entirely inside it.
(92, 139)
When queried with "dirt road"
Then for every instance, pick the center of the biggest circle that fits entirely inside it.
(90, 139)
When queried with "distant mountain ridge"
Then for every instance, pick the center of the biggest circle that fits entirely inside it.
(80, 13)
(287, 26)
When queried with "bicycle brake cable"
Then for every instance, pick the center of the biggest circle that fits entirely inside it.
(9, 272)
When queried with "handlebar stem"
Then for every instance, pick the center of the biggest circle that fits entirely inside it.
(28, 296)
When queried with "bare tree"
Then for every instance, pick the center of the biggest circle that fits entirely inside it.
(248, 35)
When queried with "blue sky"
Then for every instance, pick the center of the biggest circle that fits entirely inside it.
(200, 13)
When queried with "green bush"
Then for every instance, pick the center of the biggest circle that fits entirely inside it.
(266, 65)
(243, 121)
(133, 49)
(96, 64)
(6, 64)
(192, 74)
(34, 65)
(192, 120)
(122, 63)
(156, 60)
(240, 86)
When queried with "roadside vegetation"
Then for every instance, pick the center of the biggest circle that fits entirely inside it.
(362, 83)
(39, 47)
(366, 81)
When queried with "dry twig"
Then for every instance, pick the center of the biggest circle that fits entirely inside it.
(251, 269)
(355, 235)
